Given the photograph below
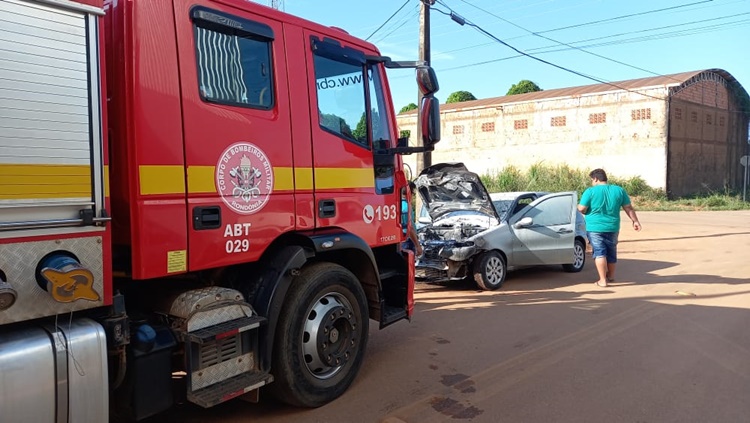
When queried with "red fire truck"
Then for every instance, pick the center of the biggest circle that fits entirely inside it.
(207, 193)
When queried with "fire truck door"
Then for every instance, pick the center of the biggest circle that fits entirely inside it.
(238, 148)
(350, 191)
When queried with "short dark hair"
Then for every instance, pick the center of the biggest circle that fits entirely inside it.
(412, 186)
(599, 174)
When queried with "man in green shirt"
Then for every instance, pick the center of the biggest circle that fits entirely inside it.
(601, 205)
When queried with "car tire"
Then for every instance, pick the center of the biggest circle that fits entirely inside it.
(579, 257)
(490, 270)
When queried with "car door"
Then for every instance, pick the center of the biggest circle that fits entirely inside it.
(547, 236)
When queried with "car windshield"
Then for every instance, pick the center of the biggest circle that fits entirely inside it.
(502, 207)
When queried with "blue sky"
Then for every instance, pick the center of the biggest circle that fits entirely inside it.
(690, 35)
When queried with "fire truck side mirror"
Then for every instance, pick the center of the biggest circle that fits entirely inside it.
(429, 110)
(427, 81)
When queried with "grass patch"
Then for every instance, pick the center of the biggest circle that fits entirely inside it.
(563, 178)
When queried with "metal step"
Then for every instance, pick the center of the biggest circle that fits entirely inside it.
(390, 273)
(391, 315)
(228, 389)
(223, 330)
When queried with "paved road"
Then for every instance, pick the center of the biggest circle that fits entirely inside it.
(668, 342)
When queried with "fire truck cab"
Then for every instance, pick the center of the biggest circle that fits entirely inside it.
(208, 193)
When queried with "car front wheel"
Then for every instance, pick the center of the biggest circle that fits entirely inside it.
(579, 258)
(490, 270)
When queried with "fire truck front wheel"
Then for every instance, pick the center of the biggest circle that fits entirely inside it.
(321, 336)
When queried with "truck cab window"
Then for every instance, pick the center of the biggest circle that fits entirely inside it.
(380, 128)
(234, 67)
(341, 99)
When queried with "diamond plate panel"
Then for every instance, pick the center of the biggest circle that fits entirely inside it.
(213, 317)
(19, 260)
(189, 302)
(222, 371)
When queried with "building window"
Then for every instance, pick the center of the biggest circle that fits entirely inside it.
(559, 121)
(521, 124)
(597, 118)
(678, 113)
(458, 129)
(694, 117)
(234, 65)
(709, 120)
(721, 120)
(641, 114)
(488, 127)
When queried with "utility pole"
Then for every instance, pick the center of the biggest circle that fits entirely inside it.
(277, 4)
(424, 56)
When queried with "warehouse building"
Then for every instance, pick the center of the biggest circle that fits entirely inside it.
(684, 132)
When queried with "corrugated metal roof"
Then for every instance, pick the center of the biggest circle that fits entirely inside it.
(667, 81)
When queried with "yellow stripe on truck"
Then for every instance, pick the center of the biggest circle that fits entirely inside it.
(161, 180)
(336, 178)
(303, 177)
(202, 179)
(44, 181)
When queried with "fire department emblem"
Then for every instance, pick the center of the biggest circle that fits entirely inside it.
(244, 178)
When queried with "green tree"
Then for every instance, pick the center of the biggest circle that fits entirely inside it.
(360, 132)
(335, 124)
(408, 107)
(523, 86)
(460, 96)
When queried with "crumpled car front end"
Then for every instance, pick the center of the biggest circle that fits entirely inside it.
(460, 209)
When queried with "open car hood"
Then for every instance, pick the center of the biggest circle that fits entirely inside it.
(450, 187)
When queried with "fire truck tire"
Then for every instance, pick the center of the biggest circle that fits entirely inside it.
(321, 336)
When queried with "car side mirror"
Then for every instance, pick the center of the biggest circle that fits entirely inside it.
(524, 223)
(425, 220)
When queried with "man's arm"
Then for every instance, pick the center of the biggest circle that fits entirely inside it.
(415, 239)
(630, 211)
(583, 209)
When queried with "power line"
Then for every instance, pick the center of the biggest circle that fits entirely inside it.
(683, 24)
(615, 18)
(631, 15)
(563, 68)
(562, 43)
(405, 20)
(665, 35)
(389, 19)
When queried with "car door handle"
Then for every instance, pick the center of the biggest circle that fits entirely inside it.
(564, 231)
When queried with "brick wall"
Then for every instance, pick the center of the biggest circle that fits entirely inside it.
(622, 132)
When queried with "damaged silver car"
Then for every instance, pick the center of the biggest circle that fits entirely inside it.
(469, 236)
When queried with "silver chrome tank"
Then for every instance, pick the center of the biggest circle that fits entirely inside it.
(53, 374)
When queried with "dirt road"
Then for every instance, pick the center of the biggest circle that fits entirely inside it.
(669, 341)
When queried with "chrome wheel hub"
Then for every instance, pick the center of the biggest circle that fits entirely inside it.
(329, 337)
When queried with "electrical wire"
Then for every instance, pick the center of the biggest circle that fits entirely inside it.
(407, 19)
(389, 19)
(631, 15)
(654, 37)
(563, 68)
(565, 44)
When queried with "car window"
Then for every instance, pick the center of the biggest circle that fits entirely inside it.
(502, 207)
(522, 203)
(551, 211)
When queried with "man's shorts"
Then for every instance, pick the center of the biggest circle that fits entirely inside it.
(604, 244)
